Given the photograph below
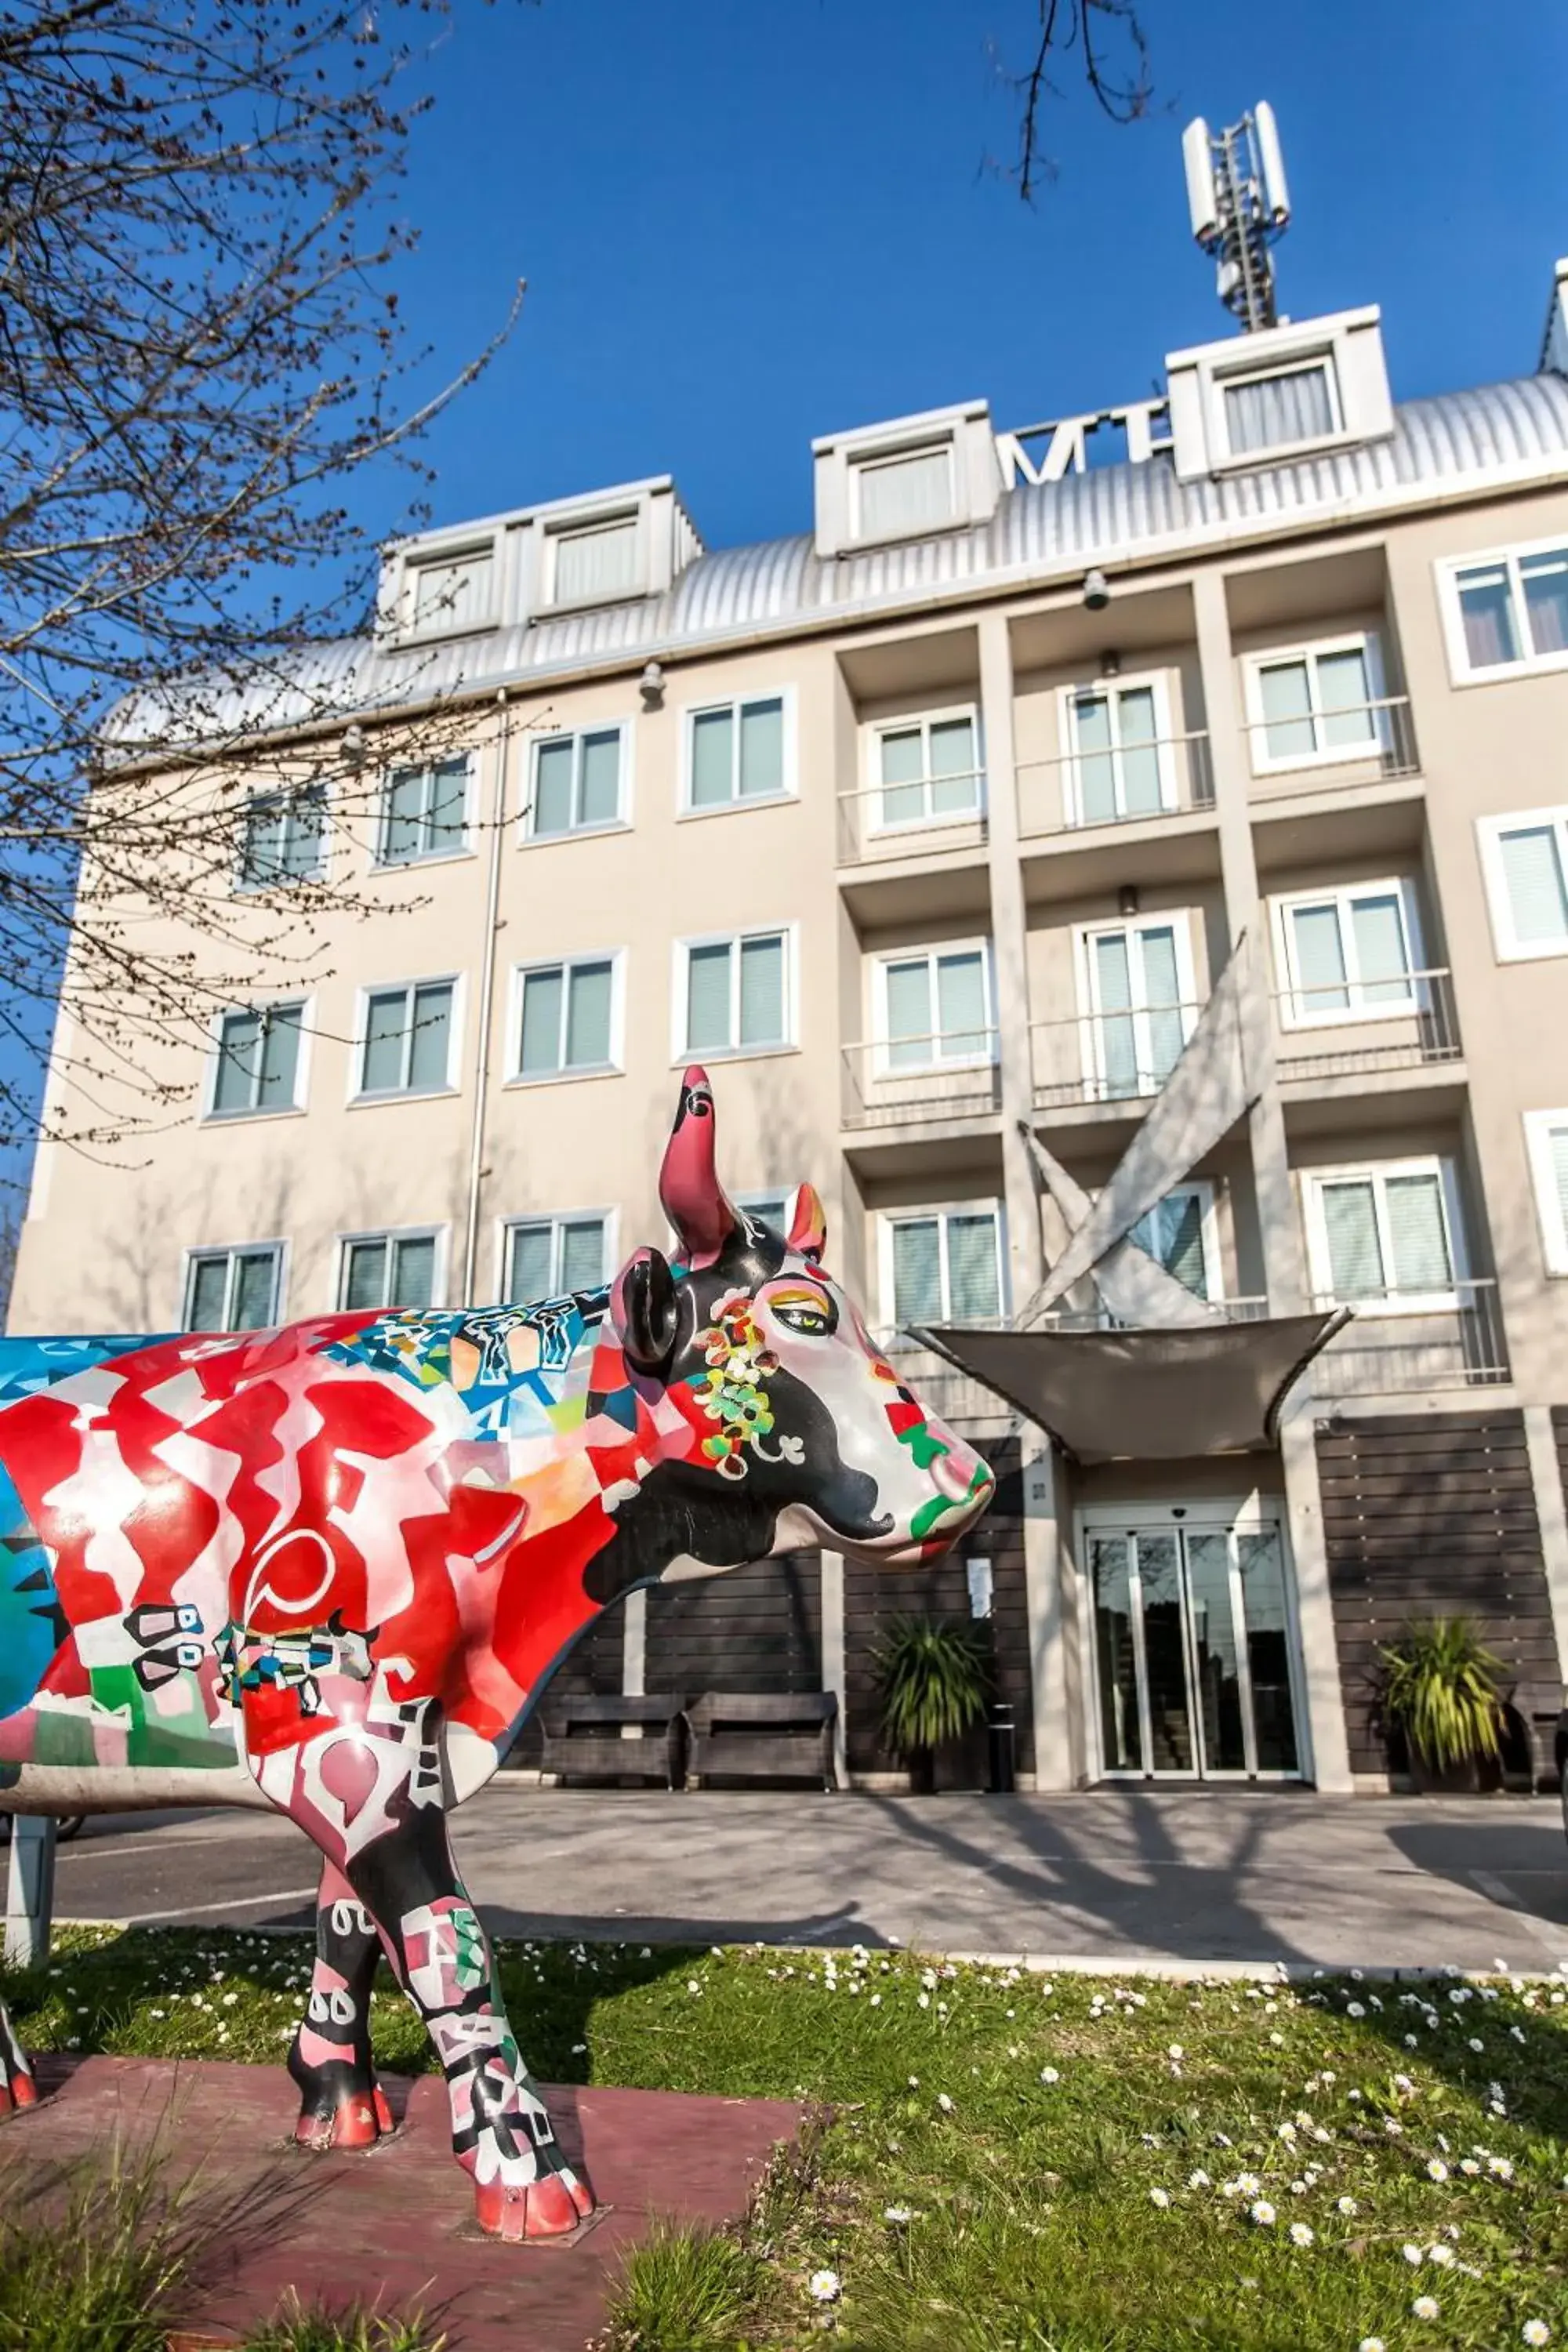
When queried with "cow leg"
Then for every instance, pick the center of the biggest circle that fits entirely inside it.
(501, 2134)
(340, 2103)
(17, 2088)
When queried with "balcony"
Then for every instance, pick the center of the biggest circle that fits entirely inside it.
(1089, 792)
(929, 818)
(1114, 1058)
(953, 1396)
(921, 1081)
(1396, 1346)
(1358, 1029)
(1332, 751)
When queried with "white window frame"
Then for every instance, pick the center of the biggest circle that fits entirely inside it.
(231, 1250)
(1230, 378)
(1538, 1129)
(619, 823)
(1378, 1171)
(572, 526)
(1331, 755)
(869, 457)
(690, 713)
(680, 1054)
(1490, 831)
(458, 982)
(876, 790)
(294, 1109)
(1068, 701)
(555, 1219)
(426, 557)
(343, 1242)
(380, 862)
(290, 794)
(883, 1039)
(1295, 1011)
(887, 1219)
(1204, 1190)
(616, 1066)
(1448, 568)
(1092, 1016)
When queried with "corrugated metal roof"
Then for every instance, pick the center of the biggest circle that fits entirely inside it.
(1112, 515)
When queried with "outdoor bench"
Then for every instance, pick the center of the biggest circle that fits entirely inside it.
(769, 1735)
(584, 1740)
(1536, 1707)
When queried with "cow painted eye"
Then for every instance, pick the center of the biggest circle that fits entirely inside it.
(810, 1312)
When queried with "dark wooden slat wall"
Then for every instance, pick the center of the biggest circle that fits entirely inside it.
(754, 1629)
(593, 1669)
(874, 1596)
(1432, 1515)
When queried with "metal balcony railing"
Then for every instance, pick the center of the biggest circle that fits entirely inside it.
(1356, 1027)
(950, 1075)
(1127, 784)
(931, 817)
(1100, 1317)
(1329, 750)
(953, 1396)
(1099, 1057)
(1399, 1343)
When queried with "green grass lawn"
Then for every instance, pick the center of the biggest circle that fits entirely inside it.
(1012, 2163)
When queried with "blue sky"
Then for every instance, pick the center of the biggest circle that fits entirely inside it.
(748, 222)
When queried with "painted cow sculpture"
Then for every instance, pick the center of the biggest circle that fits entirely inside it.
(330, 1569)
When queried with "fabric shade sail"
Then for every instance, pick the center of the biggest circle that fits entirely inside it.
(1152, 1396)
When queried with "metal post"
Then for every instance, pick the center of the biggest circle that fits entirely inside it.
(30, 1891)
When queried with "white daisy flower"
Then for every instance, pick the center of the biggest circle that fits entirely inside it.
(1412, 2255)
(1049, 2074)
(1198, 2180)
(1501, 2166)
(1425, 2306)
(1261, 2211)
(1161, 2197)
(1441, 2255)
(1301, 2235)
(823, 2286)
(1349, 2206)
(1436, 2169)
(1535, 2331)
(1370, 2344)
(896, 2214)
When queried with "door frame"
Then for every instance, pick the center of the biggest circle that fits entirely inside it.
(1253, 1514)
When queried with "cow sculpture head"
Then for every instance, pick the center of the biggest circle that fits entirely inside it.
(803, 1432)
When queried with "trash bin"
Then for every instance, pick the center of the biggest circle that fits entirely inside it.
(1000, 1733)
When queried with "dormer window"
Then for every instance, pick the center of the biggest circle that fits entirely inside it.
(447, 594)
(1282, 406)
(903, 493)
(593, 562)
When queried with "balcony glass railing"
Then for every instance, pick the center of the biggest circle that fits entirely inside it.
(1332, 749)
(1348, 1027)
(1087, 789)
(930, 816)
(1124, 1055)
(897, 1082)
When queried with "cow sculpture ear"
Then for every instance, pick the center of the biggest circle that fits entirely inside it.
(647, 1312)
(807, 1223)
(692, 1197)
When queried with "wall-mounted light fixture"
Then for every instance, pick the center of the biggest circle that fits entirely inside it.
(1126, 898)
(352, 746)
(1096, 590)
(1110, 665)
(650, 686)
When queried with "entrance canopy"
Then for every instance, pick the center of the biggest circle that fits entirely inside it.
(1152, 1396)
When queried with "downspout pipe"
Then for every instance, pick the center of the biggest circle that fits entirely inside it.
(486, 996)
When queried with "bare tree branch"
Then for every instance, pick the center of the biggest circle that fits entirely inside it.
(1106, 41)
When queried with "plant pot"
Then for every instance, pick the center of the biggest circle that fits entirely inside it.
(922, 1772)
(1462, 1778)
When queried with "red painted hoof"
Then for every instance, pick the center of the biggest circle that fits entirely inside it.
(544, 2208)
(20, 2092)
(358, 2123)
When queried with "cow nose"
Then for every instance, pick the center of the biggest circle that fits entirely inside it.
(954, 1473)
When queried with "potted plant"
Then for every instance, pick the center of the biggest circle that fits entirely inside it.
(931, 1678)
(1439, 1687)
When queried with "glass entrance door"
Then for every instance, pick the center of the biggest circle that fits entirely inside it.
(1192, 1651)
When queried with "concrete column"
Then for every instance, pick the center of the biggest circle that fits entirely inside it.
(1328, 1760)
(833, 1678)
(634, 1644)
(1541, 1441)
(1010, 956)
(1053, 1676)
(30, 1894)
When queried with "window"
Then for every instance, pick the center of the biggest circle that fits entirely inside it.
(735, 751)
(1287, 405)
(928, 768)
(1136, 980)
(1120, 764)
(1525, 860)
(1508, 611)
(935, 1008)
(1178, 1233)
(905, 492)
(566, 1019)
(407, 1047)
(285, 835)
(550, 1257)
(233, 1289)
(734, 995)
(1384, 1233)
(424, 813)
(943, 1265)
(1314, 705)
(1346, 954)
(771, 1209)
(387, 1270)
(1546, 1138)
(258, 1067)
(576, 783)
(451, 593)
(595, 562)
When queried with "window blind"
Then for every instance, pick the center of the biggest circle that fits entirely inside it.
(1344, 694)
(712, 757)
(1355, 1253)
(600, 797)
(544, 997)
(364, 1276)
(1545, 580)
(529, 1273)
(708, 1028)
(954, 787)
(903, 756)
(552, 765)
(1559, 1152)
(961, 1006)
(430, 1046)
(1485, 608)
(762, 991)
(974, 1293)
(1275, 409)
(599, 561)
(1531, 861)
(386, 1028)
(1319, 958)
(583, 1253)
(1285, 695)
(588, 1016)
(917, 1271)
(907, 493)
(1418, 1235)
(761, 749)
(909, 1020)
(412, 1271)
(255, 1290)
(209, 1293)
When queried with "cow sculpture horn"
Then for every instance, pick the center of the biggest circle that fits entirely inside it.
(689, 1189)
(807, 1222)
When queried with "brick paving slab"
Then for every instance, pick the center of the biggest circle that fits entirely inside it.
(393, 2224)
